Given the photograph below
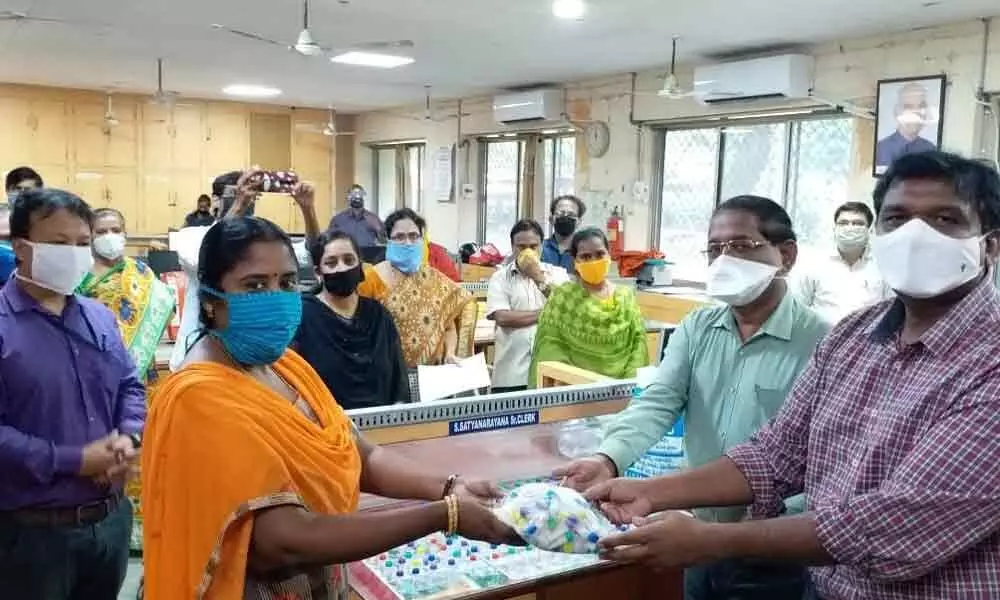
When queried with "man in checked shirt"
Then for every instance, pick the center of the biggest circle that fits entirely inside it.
(892, 431)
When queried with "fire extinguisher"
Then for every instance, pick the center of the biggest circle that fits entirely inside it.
(616, 233)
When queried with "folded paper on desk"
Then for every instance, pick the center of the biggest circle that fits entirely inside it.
(447, 380)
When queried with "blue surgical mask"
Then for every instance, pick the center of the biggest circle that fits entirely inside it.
(405, 257)
(261, 324)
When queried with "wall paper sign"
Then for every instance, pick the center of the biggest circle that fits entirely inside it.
(508, 421)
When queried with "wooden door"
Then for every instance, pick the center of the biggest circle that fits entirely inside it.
(123, 194)
(88, 184)
(276, 208)
(187, 186)
(226, 145)
(49, 142)
(188, 134)
(157, 140)
(121, 143)
(89, 140)
(14, 123)
(157, 212)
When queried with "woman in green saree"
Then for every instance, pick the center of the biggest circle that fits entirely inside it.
(591, 323)
(142, 304)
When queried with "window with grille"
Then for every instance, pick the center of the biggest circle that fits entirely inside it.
(505, 180)
(803, 165)
(399, 178)
(502, 191)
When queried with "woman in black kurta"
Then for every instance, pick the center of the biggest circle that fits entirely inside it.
(350, 341)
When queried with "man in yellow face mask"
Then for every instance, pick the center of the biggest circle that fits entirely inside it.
(517, 293)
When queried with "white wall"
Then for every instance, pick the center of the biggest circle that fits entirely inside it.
(845, 71)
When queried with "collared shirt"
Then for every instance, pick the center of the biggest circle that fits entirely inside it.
(725, 388)
(65, 381)
(835, 289)
(362, 225)
(551, 254)
(897, 448)
(198, 219)
(893, 146)
(510, 290)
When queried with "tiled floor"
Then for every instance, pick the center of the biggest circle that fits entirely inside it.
(131, 580)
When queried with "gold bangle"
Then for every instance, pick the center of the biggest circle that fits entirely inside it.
(452, 502)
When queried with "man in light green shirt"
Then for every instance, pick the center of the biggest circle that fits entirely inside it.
(727, 369)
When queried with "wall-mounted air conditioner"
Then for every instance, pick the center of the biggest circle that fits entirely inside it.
(528, 106)
(788, 76)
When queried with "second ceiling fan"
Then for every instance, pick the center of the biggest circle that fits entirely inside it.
(306, 45)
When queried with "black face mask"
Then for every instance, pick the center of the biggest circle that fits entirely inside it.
(565, 225)
(343, 283)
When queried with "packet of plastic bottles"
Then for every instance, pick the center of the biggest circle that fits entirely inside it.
(554, 518)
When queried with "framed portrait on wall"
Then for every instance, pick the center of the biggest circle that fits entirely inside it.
(909, 118)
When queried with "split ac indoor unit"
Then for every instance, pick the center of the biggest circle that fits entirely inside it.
(531, 105)
(788, 76)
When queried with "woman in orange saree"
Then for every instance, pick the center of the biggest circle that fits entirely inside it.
(252, 471)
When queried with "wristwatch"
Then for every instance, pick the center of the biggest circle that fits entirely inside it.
(136, 440)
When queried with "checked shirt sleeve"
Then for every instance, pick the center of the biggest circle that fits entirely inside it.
(943, 500)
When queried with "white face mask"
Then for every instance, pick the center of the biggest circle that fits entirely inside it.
(110, 245)
(59, 267)
(918, 261)
(851, 237)
(737, 281)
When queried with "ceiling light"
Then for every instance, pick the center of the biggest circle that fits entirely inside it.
(251, 91)
(569, 9)
(372, 59)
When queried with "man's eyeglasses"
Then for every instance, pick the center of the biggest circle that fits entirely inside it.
(738, 247)
(403, 238)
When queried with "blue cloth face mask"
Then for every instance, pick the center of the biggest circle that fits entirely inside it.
(405, 257)
(261, 324)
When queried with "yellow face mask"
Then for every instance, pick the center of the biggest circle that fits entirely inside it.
(594, 272)
(526, 255)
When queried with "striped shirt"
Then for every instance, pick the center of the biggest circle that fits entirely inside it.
(897, 449)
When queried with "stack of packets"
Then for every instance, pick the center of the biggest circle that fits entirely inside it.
(554, 518)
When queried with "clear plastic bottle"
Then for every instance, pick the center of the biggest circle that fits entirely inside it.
(580, 437)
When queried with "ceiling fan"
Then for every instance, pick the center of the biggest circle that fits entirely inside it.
(328, 129)
(429, 116)
(162, 97)
(672, 89)
(14, 16)
(306, 45)
(110, 120)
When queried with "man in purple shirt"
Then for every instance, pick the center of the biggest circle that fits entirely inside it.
(72, 411)
(357, 221)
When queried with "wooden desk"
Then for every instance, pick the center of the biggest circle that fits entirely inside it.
(522, 452)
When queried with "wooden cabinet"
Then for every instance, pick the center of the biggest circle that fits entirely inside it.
(172, 151)
(96, 144)
(110, 188)
(227, 144)
(155, 163)
(277, 208)
(48, 143)
(35, 133)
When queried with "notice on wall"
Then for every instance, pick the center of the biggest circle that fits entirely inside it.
(442, 171)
